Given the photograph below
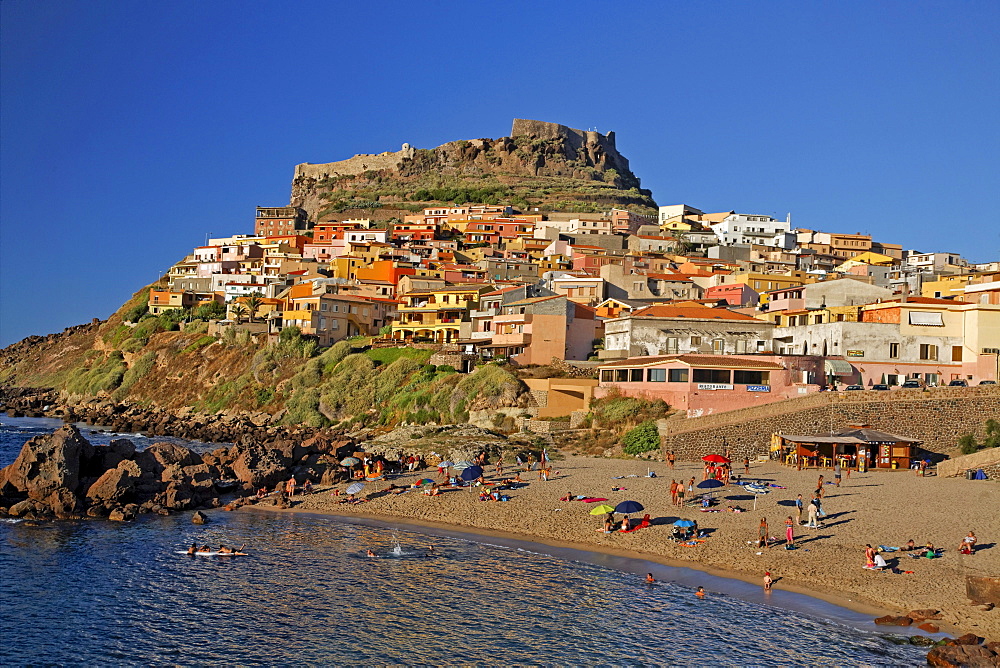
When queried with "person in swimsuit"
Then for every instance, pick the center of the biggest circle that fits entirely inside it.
(369, 553)
(700, 592)
(968, 544)
(762, 533)
(649, 578)
(193, 548)
(789, 532)
(768, 581)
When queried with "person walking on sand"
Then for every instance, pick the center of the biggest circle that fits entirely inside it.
(673, 492)
(819, 487)
(768, 581)
(818, 500)
(798, 509)
(671, 458)
(290, 487)
(691, 487)
(746, 465)
(789, 533)
(680, 494)
(837, 473)
(811, 512)
(762, 534)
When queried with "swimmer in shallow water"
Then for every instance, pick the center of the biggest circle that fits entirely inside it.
(369, 553)
(193, 548)
(649, 578)
(700, 592)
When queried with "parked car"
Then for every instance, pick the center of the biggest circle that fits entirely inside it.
(880, 386)
(958, 382)
(912, 384)
(854, 387)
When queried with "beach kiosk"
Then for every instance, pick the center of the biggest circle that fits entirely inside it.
(857, 447)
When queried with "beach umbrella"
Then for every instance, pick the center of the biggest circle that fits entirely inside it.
(472, 472)
(711, 483)
(355, 487)
(445, 464)
(716, 459)
(602, 509)
(628, 507)
(460, 466)
(350, 461)
(755, 490)
(684, 523)
(425, 481)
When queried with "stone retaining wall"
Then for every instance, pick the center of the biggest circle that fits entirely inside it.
(977, 460)
(937, 417)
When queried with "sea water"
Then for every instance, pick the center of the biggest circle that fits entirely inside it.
(98, 592)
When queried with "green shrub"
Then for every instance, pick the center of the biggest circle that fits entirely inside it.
(643, 438)
(135, 313)
(967, 442)
(139, 369)
(446, 368)
(201, 342)
(101, 377)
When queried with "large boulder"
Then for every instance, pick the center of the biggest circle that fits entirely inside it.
(259, 466)
(116, 485)
(47, 470)
(953, 656)
(157, 457)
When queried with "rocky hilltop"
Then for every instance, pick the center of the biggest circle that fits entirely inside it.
(540, 164)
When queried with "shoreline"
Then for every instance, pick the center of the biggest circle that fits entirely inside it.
(862, 608)
(884, 508)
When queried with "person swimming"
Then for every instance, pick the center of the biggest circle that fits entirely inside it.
(193, 548)
(205, 548)
(700, 592)
(649, 578)
(369, 553)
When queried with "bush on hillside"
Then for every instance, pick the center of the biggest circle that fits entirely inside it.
(643, 438)
(968, 445)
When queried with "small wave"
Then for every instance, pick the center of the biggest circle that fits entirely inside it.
(10, 520)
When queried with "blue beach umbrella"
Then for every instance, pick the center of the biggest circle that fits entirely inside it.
(472, 472)
(355, 488)
(711, 483)
(628, 507)
(684, 523)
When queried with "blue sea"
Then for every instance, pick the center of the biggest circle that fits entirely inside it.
(104, 593)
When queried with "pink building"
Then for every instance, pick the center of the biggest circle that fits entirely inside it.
(734, 294)
(787, 299)
(706, 384)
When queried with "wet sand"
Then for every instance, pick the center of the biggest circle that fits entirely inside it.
(880, 507)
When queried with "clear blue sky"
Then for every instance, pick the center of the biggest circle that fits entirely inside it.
(132, 129)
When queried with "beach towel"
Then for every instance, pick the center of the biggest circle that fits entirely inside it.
(886, 548)
(593, 499)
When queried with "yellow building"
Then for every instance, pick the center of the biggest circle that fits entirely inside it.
(870, 258)
(437, 315)
(762, 283)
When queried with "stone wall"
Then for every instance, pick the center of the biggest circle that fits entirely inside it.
(937, 417)
(978, 460)
(355, 165)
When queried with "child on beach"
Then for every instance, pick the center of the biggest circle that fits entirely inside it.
(789, 533)
(768, 581)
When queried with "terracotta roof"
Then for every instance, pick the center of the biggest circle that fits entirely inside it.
(719, 361)
(699, 313)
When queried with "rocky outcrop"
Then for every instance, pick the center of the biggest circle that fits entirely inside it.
(47, 471)
(955, 656)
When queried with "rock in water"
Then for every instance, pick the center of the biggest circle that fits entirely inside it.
(199, 517)
(47, 470)
(117, 484)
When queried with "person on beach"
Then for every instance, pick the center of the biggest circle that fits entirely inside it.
(768, 581)
(626, 524)
(499, 465)
(762, 534)
(819, 487)
(690, 489)
(811, 512)
(798, 509)
(789, 532)
(609, 523)
(649, 578)
(746, 465)
(673, 492)
(910, 546)
(819, 504)
(671, 458)
(869, 556)
(262, 492)
(968, 544)
(290, 487)
(307, 488)
(680, 494)
(837, 474)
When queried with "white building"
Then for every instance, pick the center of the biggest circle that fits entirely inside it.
(744, 229)
(936, 263)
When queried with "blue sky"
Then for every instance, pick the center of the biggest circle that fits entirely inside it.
(130, 130)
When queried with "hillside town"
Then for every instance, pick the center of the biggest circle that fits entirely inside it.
(708, 311)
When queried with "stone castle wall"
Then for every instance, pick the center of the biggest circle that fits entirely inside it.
(577, 139)
(359, 164)
(937, 417)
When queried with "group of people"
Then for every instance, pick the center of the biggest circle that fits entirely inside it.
(679, 491)
(194, 549)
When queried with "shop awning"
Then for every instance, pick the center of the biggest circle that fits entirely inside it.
(931, 319)
(838, 368)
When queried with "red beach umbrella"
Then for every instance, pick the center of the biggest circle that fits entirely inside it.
(716, 459)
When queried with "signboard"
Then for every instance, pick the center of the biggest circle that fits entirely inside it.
(758, 388)
(714, 386)
(855, 353)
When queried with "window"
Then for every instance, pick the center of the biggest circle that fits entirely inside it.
(621, 375)
(956, 353)
(744, 377)
(607, 375)
(711, 375)
(677, 375)
(718, 346)
(741, 347)
(893, 351)
(928, 351)
(673, 345)
(656, 375)
(334, 324)
(635, 375)
(695, 340)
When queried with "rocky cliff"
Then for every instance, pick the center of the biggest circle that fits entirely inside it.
(544, 165)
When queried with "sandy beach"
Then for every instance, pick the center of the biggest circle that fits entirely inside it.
(880, 508)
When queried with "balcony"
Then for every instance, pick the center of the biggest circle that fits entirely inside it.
(517, 339)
